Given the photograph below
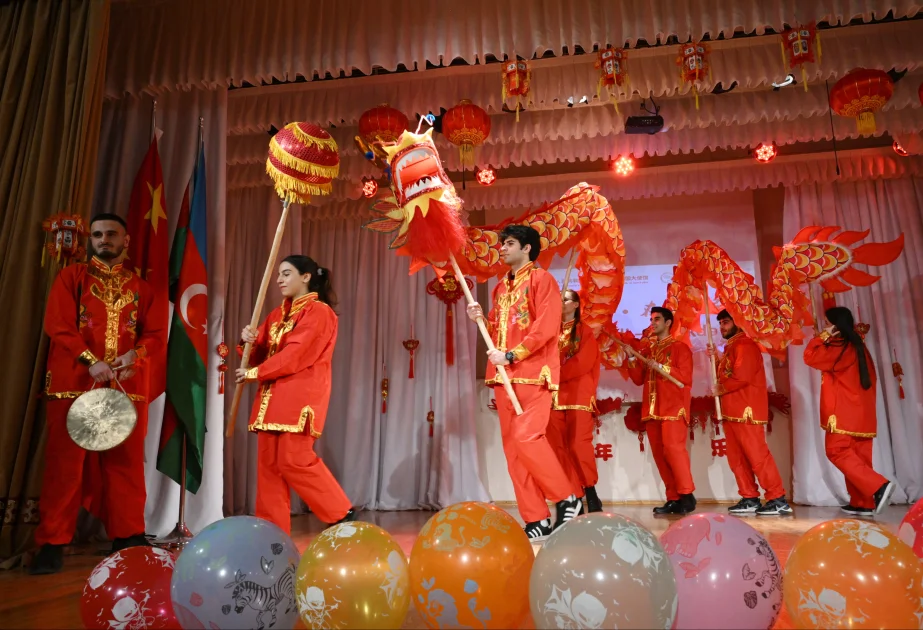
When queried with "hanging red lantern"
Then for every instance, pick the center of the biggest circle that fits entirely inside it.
(466, 126)
(799, 45)
(765, 152)
(369, 187)
(448, 291)
(64, 235)
(486, 176)
(223, 352)
(382, 124)
(517, 81)
(694, 66)
(613, 71)
(860, 94)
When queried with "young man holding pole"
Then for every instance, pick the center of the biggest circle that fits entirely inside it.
(524, 324)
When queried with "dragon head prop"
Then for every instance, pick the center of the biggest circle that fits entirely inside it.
(421, 204)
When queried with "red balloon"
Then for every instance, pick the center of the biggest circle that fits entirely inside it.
(130, 589)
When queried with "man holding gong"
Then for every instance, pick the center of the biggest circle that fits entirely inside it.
(102, 325)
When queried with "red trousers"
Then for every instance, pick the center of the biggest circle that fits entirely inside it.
(123, 491)
(668, 446)
(570, 432)
(534, 467)
(748, 455)
(288, 460)
(853, 457)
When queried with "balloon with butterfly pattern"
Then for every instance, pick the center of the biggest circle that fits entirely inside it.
(238, 572)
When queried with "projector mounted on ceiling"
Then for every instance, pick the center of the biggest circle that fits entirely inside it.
(651, 124)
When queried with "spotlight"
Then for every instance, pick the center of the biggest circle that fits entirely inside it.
(369, 187)
(486, 176)
(624, 165)
(765, 152)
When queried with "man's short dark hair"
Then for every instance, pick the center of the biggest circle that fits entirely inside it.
(665, 312)
(524, 235)
(724, 315)
(108, 216)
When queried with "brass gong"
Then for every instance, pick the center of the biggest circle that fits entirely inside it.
(101, 419)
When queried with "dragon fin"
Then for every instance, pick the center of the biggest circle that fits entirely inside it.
(825, 233)
(849, 237)
(804, 236)
(859, 278)
(879, 254)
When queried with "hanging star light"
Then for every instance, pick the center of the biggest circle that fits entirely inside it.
(486, 176)
(624, 165)
(765, 153)
(369, 187)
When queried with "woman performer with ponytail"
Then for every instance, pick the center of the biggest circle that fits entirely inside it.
(573, 416)
(847, 410)
(292, 352)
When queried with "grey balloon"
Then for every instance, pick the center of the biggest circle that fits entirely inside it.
(602, 571)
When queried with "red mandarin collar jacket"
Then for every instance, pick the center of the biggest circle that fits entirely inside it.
(292, 354)
(97, 313)
(661, 399)
(579, 369)
(526, 319)
(845, 407)
(741, 374)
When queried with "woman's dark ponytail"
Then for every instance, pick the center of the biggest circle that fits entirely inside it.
(573, 331)
(320, 281)
(842, 318)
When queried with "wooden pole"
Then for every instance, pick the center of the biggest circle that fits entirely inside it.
(570, 267)
(648, 363)
(486, 335)
(711, 357)
(257, 311)
(814, 308)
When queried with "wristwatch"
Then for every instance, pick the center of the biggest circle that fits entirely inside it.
(510, 356)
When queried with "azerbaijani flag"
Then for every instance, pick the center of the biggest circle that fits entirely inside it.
(187, 349)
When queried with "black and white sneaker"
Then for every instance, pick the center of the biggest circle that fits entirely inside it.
(883, 496)
(857, 511)
(775, 507)
(745, 506)
(567, 510)
(538, 530)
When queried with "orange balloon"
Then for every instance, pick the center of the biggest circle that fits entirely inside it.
(470, 567)
(849, 573)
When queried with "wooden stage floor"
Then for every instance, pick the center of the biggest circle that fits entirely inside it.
(54, 601)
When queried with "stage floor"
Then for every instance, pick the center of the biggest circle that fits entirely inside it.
(53, 601)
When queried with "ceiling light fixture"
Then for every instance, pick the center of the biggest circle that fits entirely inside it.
(765, 152)
(624, 165)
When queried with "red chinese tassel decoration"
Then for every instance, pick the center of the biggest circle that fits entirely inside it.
(800, 42)
(694, 67)
(517, 81)
(898, 372)
(431, 416)
(384, 389)
(223, 352)
(411, 345)
(613, 71)
(63, 238)
(448, 291)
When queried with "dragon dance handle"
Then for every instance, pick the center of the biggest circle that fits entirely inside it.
(486, 335)
(711, 357)
(649, 363)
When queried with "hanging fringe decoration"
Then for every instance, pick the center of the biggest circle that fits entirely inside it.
(448, 291)
(411, 345)
(223, 352)
(384, 388)
(898, 372)
(799, 45)
(431, 417)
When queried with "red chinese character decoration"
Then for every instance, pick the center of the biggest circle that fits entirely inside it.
(694, 66)
(466, 126)
(719, 447)
(382, 124)
(411, 345)
(517, 81)
(604, 452)
(448, 291)
(223, 352)
(613, 72)
(64, 235)
(799, 45)
(860, 94)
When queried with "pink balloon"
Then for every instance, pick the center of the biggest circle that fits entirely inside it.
(911, 529)
(727, 575)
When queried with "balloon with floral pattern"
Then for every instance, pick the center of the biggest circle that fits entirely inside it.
(911, 529)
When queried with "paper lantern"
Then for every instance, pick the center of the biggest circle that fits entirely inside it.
(860, 94)
(369, 187)
(466, 126)
(517, 81)
(694, 67)
(486, 176)
(64, 234)
(382, 124)
(303, 160)
(613, 71)
(800, 45)
(765, 152)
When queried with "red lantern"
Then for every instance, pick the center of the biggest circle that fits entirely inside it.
(448, 291)
(64, 238)
(223, 352)
(860, 94)
(694, 67)
(369, 187)
(486, 176)
(765, 153)
(800, 43)
(466, 126)
(613, 71)
(517, 81)
(382, 124)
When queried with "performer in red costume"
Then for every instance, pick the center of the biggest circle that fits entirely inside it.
(745, 408)
(573, 418)
(524, 323)
(292, 353)
(847, 410)
(665, 410)
(100, 316)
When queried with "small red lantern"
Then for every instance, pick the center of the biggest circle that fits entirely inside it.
(486, 176)
(63, 238)
(466, 126)
(517, 81)
(901, 151)
(860, 94)
(765, 152)
(624, 165)
(223, 352)
(800, 43)
(382, 124)
(694, 67)
(369, 187)
(613, 71)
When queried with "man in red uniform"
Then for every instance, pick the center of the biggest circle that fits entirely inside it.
(745, 409)
(100, 316)
(665, 410)
(848, 410)
(524, 322)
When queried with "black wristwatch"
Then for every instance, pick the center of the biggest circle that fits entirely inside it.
(510, 356)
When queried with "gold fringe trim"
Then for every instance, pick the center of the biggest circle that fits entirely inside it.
(308, 168)
(302, 137)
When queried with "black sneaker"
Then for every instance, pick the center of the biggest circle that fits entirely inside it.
(538, 530)
(883, 496)
(670, 507)
(593, 504)
(687, 504)
(775, 507)
(138, 540)
(48, 560)
(857, 511)
(567, 510)
(349, 518)
(745, 506)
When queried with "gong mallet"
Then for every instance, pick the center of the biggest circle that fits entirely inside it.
(649, 363)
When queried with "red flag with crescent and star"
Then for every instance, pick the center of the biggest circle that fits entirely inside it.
(149, 247)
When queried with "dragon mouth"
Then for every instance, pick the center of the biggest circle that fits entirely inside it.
(417, 172)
